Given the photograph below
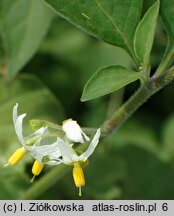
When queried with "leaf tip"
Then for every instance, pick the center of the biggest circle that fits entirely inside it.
(83, 97)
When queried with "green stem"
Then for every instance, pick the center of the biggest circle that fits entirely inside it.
(116, 120)
(47, 180)
(144, 92)
(37, 123)
(92, 131)
(115, 102)
(44, 183)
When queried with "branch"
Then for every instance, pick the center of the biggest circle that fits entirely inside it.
(144, 92)
(114, 122)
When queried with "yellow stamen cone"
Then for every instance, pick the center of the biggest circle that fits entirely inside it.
(37, 168)
(16, 156)
(78, 177)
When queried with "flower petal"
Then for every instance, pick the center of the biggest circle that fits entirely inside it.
(66, 152)
(18, 121)
(74, 132)
(52, 150)
(91, 147)
(15, 113)
(40, 131)
(53, 162)
(85, 136)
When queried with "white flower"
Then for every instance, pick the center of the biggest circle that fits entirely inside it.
(18, 123)
(51, 151)
(68, 157)
(58, 152)
(74, 132)
(37, 150)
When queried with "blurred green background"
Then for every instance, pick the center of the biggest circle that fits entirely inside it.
(135, 162)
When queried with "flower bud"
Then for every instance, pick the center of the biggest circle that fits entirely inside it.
(35, 124)
(74, 132)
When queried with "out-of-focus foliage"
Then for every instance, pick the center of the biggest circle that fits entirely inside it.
(23, 25)
(168, 18)
(135, 162)
(38, 102)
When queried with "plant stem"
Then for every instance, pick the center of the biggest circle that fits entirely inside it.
(37, 123)
(44, 183)
(92, 131)
(116, 120)
(144, 92)
(115, 102)
(47, 180)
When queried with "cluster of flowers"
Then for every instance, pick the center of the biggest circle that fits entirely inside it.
(61, 151)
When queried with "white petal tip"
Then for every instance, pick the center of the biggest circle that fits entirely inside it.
(23, 115)
(99, 131)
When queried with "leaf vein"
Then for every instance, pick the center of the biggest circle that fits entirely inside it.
(115, 25)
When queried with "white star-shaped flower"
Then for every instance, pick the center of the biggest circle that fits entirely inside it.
(58, 152)
(37, 150)
(69, 157)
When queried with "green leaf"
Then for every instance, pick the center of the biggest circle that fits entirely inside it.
(34, 99)
(168, 18)
(107, 80)
(23, 25)
(146, 177)
(167, 14)
(127, 135)
(144, 34)
(13, 182)
(105, 174)
(112, 21)
(168, 137)
(37, 102)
